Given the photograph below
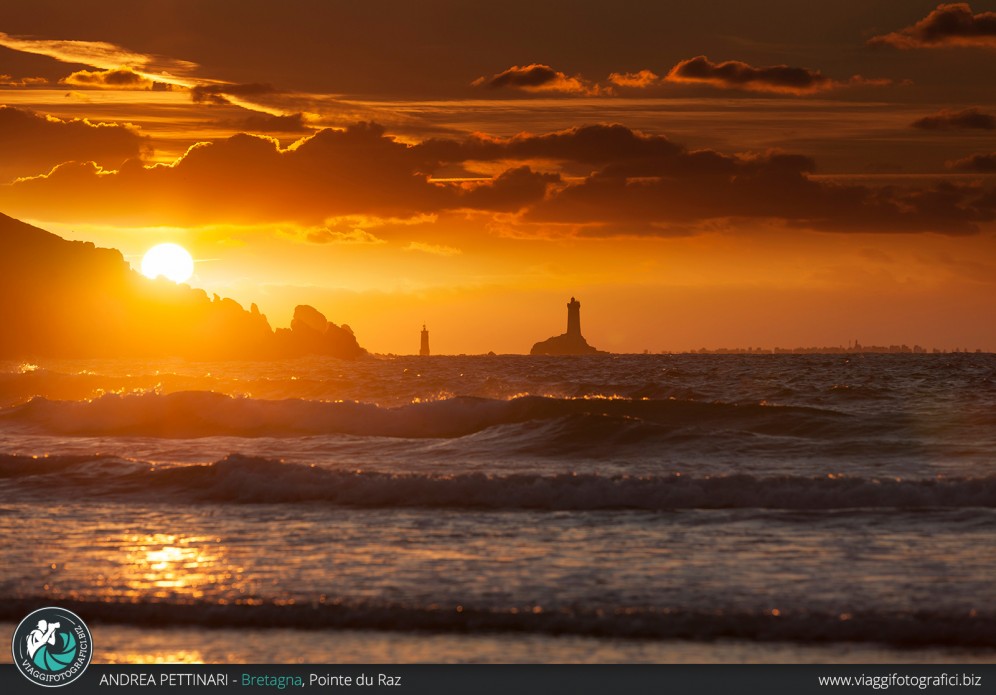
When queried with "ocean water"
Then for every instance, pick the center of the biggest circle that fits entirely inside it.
(510, 508)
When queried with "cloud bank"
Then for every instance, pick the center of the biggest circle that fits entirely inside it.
(775, 79)
(633, 183)
(118, 78)
(966, 119)
(949, 25)
(33, 144)
(537, 77)
(8, 81)
(219, 93)
(979, 163)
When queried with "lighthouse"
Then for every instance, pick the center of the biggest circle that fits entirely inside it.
(569, 343)
(574, 318)
(424, 350)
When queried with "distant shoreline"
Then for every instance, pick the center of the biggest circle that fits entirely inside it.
(717, 351)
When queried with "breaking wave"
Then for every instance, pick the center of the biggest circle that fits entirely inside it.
(201, 413)
(246, 479)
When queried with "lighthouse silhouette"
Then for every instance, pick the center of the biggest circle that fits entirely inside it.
(569, 343)
(424, 350)
(574, 318)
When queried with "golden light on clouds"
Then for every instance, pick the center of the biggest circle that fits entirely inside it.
(706, 170)
(103, 55)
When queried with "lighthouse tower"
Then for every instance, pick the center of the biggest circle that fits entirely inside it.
(569, 343)
(424, 350)
(574, 318)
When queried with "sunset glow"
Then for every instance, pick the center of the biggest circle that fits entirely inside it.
(597, 331)
(739, 192)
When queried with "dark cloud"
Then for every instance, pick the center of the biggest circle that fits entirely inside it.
(265, 123)
(781, 79)
(966, 119)
(219, 93)
(591, 144)
(679, 193)
(949, 25)
(629, 183)
(538, 78)
(510, 191)
(251, 179)
(32, 143)
(119, 78)
(8, 81)
(980, 163)
(534, 75)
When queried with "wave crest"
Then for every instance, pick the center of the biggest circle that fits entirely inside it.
(248, 479)
(202, 413)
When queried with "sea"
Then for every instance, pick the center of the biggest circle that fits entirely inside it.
(504, 509)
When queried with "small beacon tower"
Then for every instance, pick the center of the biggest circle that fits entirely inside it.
(424, 350)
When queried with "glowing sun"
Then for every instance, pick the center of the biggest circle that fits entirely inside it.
(169, 260)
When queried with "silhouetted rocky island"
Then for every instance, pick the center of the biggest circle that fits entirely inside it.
(569, 343)
(70, 299)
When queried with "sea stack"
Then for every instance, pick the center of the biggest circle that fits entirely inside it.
(569, 343)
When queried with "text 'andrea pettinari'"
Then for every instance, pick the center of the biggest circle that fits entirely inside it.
(176, 680)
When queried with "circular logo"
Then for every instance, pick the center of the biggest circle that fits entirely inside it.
(52, 647)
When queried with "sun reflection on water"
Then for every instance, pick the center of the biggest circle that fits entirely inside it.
(178, 656)
(170, 566)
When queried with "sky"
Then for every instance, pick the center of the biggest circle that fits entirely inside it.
(708, 174)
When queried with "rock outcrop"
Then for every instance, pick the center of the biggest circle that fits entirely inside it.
(569, 343)
(311, 333)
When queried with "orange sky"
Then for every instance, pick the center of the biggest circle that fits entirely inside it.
(702, 179)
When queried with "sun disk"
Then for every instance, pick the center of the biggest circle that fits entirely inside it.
(171, 261)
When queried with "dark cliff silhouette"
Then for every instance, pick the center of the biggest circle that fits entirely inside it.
(70, 299)
(569, 343)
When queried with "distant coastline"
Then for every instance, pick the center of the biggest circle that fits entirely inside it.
(718, 351)
(840, 350)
